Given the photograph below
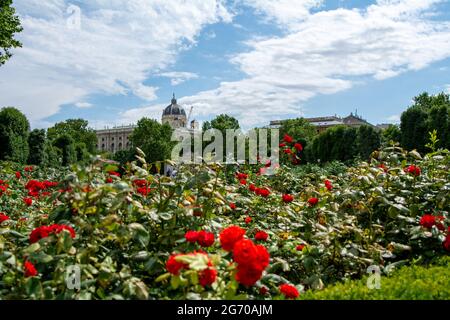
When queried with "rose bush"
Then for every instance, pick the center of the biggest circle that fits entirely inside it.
(205, 234)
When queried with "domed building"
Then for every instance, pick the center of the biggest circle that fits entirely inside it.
(174, 115)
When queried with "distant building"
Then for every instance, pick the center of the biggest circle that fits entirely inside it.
(118, 138)
(323, 123)
(114, 139)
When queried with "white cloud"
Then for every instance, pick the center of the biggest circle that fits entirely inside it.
(394, 118)
(83, 105)
(329, 51)
(289, 13)
(178, 77)
(119, 44)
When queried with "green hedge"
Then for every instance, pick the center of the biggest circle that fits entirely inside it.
(408, 283)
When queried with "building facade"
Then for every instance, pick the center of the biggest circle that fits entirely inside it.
(323, 123)
(118, 138)
(114, 139)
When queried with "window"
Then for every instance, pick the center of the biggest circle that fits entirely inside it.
(120, 145)
(103, 146)
(103, 139)
(120, 138)
(112, 139)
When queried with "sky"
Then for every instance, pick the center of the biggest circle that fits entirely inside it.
(113, 62)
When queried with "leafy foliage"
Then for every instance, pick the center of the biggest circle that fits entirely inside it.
(408, 283)
(14, 131)
(9, 26)
(36, 142)
(78, 129)
(127, 227)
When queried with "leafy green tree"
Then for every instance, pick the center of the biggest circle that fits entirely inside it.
(78, 129)
(66, 144)
(222, 122)
(36, 142)
(14, 131)
(336, 143)
(9, 26)
(439, 120)
(81, 152)
(300, 129)
(414, 128)
(53, 155)
(391, 133)
(154, 139)
(368, 140)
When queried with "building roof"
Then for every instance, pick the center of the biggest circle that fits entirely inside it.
(174, 109)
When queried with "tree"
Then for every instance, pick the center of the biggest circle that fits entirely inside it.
(66, 144)
(81, 152)
(154, 139)
(368, 140)
(14, 131)
(78, 129)
(300, 129)
(37, 141)
(428, 113)
(414, 128)
(9, 25)
(439, 120)
(335, 143)
(222, 122)
(391, 133)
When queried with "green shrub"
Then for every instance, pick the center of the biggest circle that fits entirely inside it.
(408, 283)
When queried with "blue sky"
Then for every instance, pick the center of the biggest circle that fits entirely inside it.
(113, 62)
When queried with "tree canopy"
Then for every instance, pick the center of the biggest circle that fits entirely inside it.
(78, 129)
(153, 138)
(14, 131)
(9, 26)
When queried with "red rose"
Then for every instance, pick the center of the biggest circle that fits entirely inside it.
(30, 270)
(252, 187)
(252, 260)
(287, 198)
(241, 176)
(3, 218)
(109, 180)
(28, 201)
(248, 220)
(229, 237)
(174, 266)
(248, 276)
(18, 175)
(289, 291)
(44, 231)
(143, 190)
(113, 173)
(414, 170)
(383, 166)
(263, 290)
(446, 243)
(263, 192)
(205, 239)
(328, 185)
(268, 164)
(427, 221)
(245, 252)
(261, 236)
(298, 146)
(287, 138)
(243, 182)
(140, 183)
(300, 247)
(207, 277)
(313, 201)
(287, 151)
(191, 236)
(233, 206)
(282, 145)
